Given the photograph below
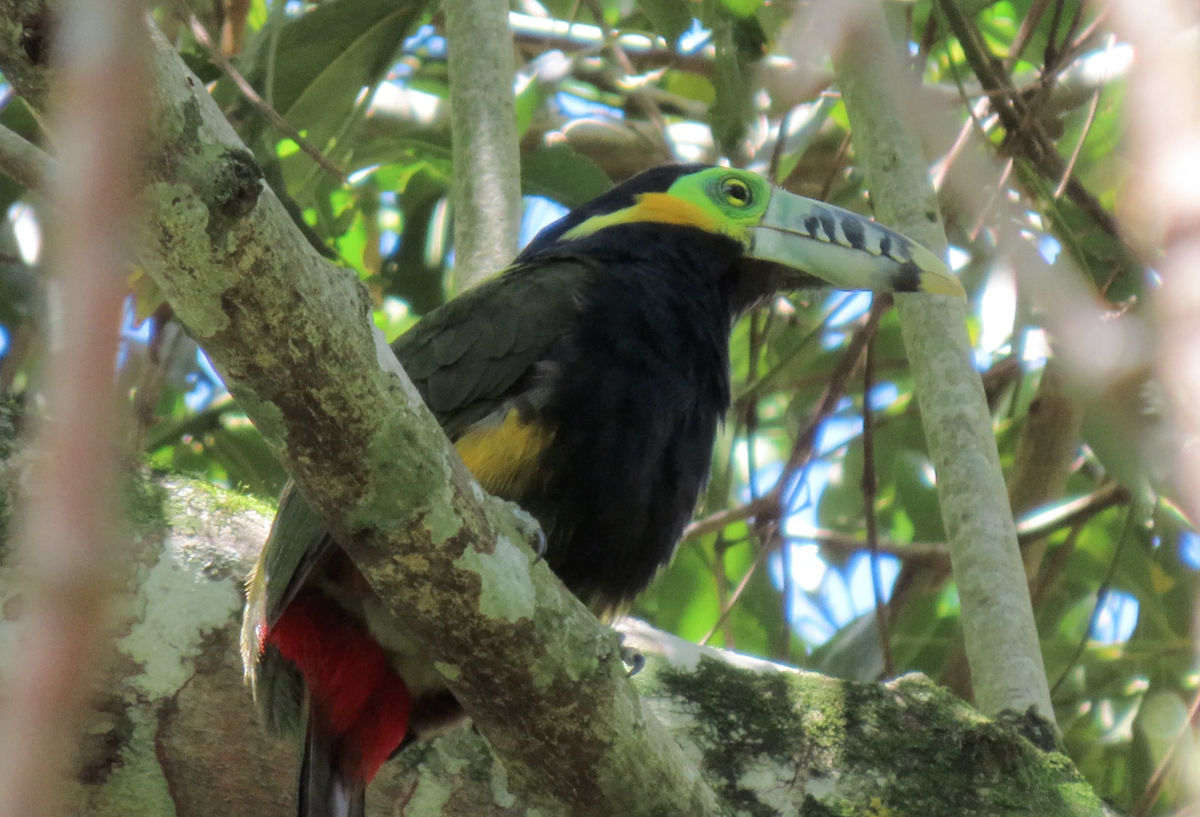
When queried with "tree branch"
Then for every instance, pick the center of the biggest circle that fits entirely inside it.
(68, 545)
(172, 730)
(1001, 639)
(483, 125)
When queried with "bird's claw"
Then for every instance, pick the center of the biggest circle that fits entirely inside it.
(530, 530)
(538, 545)
(631, 658)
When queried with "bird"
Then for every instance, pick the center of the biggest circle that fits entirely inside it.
(586, 384)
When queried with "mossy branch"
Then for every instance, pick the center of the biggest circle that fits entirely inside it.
(174, 732)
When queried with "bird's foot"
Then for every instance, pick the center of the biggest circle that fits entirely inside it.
(530, 530)
(538, 544)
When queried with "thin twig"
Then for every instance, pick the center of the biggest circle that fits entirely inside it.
(839, 380)
(737, 594)
(273, 116)
(839, 160)
(870, 487)
(1048, 55)
(721, 575)
(756, 344)
(1053, 565)
(1100, 19)
(1087, 128)
(1043, 523)
(1101, 594)
(964, 133)
(780, 497)
(772, 541)
(849, 544)
(752, 390)
(721, 519)
(1013, 111)
(1029, 24)
(780, 143)
(1036, 525)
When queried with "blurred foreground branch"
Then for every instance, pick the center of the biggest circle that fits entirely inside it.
(68, 550)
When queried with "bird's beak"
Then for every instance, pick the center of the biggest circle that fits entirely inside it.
(845, 249)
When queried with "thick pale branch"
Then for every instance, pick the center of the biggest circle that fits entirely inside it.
(174, 732)
(998, 626)
(483, 124)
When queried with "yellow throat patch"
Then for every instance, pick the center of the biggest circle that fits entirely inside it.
(659, 208)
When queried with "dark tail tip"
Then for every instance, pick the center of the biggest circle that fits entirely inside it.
(325, 791)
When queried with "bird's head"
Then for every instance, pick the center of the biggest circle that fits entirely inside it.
(792, 242)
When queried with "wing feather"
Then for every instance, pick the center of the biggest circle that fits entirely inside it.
(478, 353)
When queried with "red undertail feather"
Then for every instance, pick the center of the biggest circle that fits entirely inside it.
(351, 686)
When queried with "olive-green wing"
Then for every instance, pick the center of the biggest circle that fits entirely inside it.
(297, 541)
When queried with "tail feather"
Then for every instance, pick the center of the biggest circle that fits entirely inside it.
(326, 790)
(357, 705)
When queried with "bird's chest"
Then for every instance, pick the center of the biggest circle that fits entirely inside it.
(632, 413)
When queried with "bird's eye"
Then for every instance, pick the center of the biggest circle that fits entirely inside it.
(737, 192)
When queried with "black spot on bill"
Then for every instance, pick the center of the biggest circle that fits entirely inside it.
(829, 223)
(855, 235)
(907, 278)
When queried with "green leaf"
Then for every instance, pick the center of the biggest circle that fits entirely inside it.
(17, 116)
(321, 61)
(670, 18)
(918, 497)
(691, 86)
(742, 8)
(739, 43)
(559, 173)
(526, 104)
